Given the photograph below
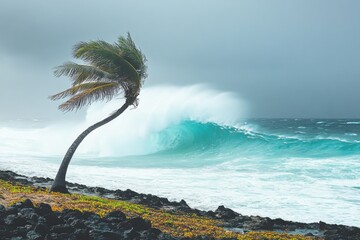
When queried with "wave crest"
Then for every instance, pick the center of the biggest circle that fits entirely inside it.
(160, 107)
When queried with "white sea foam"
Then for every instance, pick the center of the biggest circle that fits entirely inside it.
(352, 123)
(132, 132)
(249, 186)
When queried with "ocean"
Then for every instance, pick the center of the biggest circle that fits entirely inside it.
(196, 144)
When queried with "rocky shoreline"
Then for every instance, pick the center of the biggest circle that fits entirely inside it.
(70, 224)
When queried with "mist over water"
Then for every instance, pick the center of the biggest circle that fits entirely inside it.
(193, 143)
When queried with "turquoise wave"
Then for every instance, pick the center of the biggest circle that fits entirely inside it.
(191, 137)
(191, 144)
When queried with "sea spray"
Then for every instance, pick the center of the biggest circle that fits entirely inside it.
(160, 107)
(132, 132)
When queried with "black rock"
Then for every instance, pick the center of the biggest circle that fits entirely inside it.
(90, 216)
(104, 235)
(137, 223)
(103, 226)
(71, 213)
(20, 205)
(225, 213)
(41, 220)
(65, 228)
(115, 217)
(11, 210)
(322, 225)
(125, 195)
(52, 219)
(183, 203)
(78, 224)
(33, 235)
(279, 221)
(28, 203)
(152, 233)
(263, 224)
(41, 229)
(17, 238)
(58, 236)
(117, 214)
(44, 209)
(131, 234)
(15, 221)
(26, 212)
(81, 234)
(2, 208)
(32, 218)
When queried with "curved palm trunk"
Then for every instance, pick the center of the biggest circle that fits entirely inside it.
(59, 184)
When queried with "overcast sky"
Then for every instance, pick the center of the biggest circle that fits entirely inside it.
(285, 58)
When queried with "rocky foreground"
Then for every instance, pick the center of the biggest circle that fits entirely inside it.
(25, 221)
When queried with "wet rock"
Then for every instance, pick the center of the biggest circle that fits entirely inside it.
(27, 212)
(152, 233)
(78, 224)
(81, 234)
(131, 234)
(64, 228)
(104, 235)
(33, 235)
(44, 209)
(17, 238)
(225, 213)
(322, 225)
(41, 229)
(57, 236)
(261, 224)
(125, 195)
(2, 208)
(90, 216)
(52, 219)
(115, 217)
(27, 203)
(183, 203)
(71, 214)
(15, 221)
(137, 224)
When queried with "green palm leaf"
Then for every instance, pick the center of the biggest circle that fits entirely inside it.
(107, 57)
(81, 73)
(110, 69)
(86, 94)
(132, 54)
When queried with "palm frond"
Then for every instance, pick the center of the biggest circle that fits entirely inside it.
(80, 73)
(83, 87)
(132, 54)
(90, 95)
(97, 52)
(106, 57)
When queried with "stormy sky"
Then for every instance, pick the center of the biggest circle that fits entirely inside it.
(298, 58)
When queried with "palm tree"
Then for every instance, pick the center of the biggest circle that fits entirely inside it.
(112, 69)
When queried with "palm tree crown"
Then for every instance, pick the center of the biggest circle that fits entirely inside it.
(112, 69)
